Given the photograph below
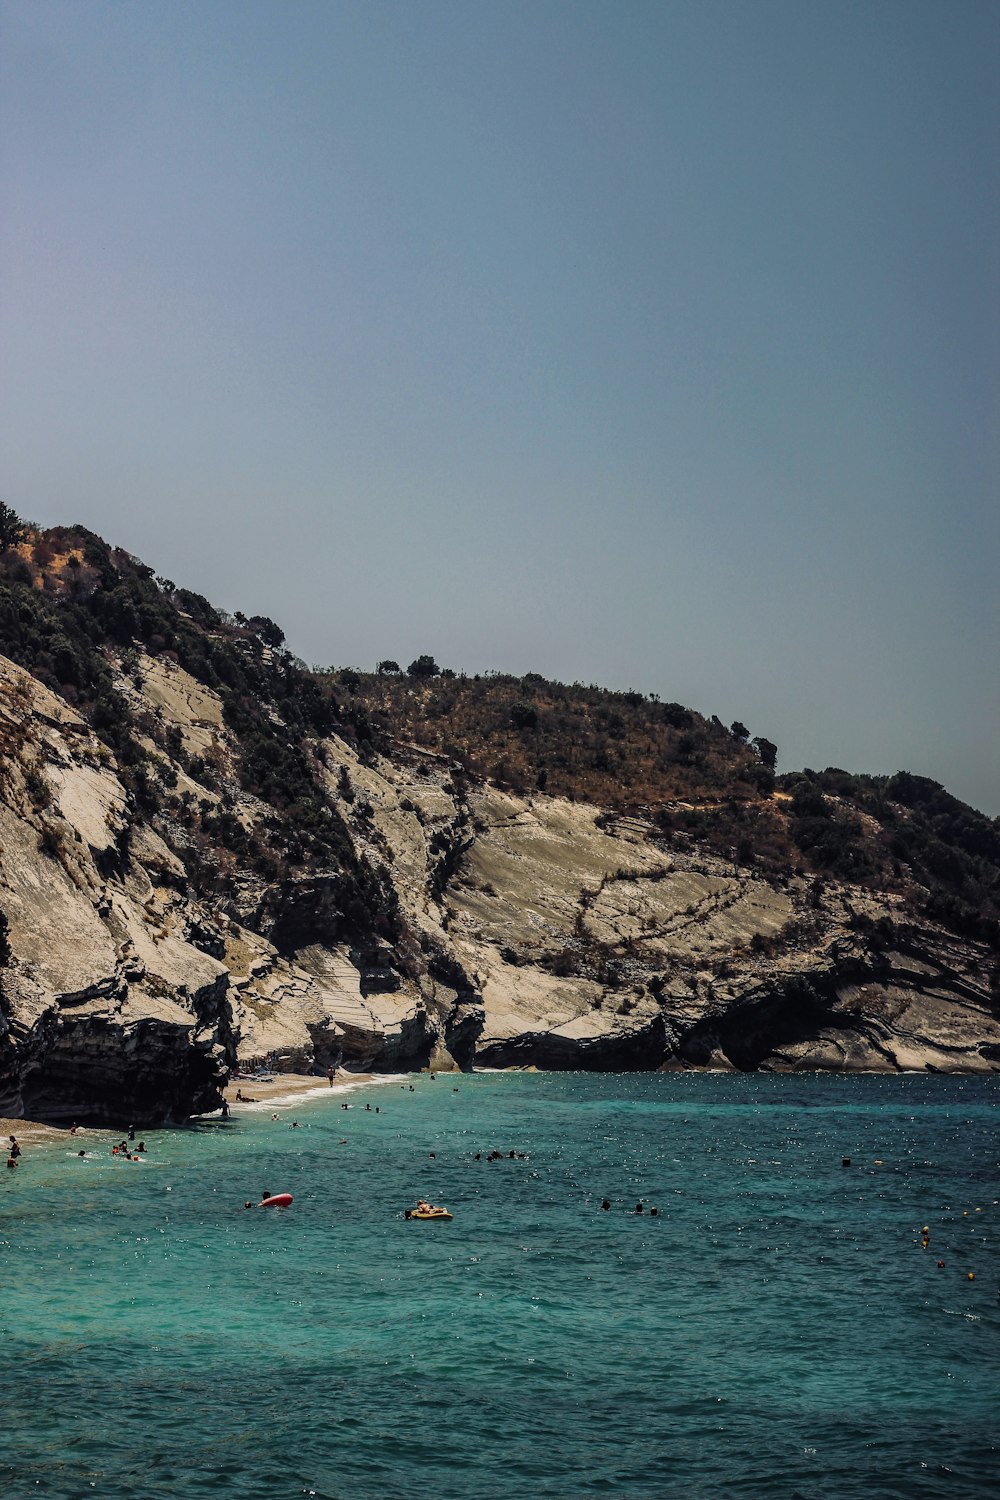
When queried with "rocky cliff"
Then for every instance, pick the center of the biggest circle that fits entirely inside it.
(207, 855)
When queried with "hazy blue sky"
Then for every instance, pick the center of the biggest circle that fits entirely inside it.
(648, 344)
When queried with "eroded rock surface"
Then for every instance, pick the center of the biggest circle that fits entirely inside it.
(139, 967)
(580, 940)
(108, 1012)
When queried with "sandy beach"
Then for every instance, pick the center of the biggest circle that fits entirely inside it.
(30, 1132)
(286, 1088)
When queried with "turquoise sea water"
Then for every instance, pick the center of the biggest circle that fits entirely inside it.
(776, 1331)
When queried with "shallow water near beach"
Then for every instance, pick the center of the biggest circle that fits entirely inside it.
(776, 1330)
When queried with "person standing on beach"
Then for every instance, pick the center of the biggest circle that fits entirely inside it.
(331, 1074)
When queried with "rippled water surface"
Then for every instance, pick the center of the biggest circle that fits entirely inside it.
(776, 1330)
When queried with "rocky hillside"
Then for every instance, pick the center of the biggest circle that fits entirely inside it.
(210, 854)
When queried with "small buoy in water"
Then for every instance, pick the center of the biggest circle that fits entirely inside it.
(971, 1276)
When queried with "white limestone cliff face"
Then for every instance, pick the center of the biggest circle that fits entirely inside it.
(106, 1009)
(572, 939)
(533, 931)
(127, 994)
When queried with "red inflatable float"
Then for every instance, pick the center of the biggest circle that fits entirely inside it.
(280, 1200)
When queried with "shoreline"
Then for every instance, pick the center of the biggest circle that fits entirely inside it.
(285, 1090)
(34, 1133)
